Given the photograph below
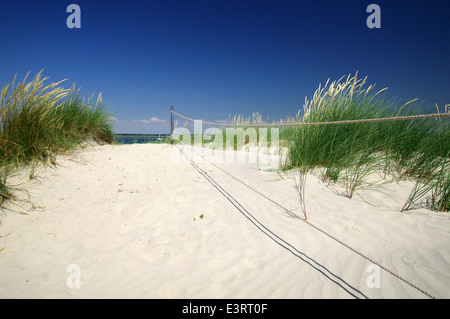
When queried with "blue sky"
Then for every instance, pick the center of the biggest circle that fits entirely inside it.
(211, 59)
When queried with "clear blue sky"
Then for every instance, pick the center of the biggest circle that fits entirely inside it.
(211, 59)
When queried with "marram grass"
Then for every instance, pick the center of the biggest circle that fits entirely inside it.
(39, 121)
(409, 149)
(351, 154)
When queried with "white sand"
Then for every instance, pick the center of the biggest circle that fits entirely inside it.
(123, 216)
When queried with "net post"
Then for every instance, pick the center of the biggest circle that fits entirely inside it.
(171, 124)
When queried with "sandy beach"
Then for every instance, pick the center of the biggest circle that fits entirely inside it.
(131, 221)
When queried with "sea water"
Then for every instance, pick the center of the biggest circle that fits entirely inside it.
(141, 138)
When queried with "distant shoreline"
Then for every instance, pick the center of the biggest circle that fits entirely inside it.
(140, 138)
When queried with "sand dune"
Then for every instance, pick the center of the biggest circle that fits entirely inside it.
(126, 220)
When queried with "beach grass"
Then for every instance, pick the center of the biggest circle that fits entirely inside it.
(232, 134)
(351, 154)
(38, 121)
(416, 150)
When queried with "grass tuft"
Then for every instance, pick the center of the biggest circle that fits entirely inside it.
(350, 153)
(39, 121)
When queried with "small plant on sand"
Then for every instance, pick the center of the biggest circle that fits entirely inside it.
(201, 217)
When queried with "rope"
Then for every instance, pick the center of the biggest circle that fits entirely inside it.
(271, 234)
(315, 227)
(385, 119)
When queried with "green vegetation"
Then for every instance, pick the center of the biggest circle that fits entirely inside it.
(357, 155)
(349, 153)
(233, 134)
(38, 122)
(353, 154)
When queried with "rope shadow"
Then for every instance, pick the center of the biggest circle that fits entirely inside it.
(352, 291)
